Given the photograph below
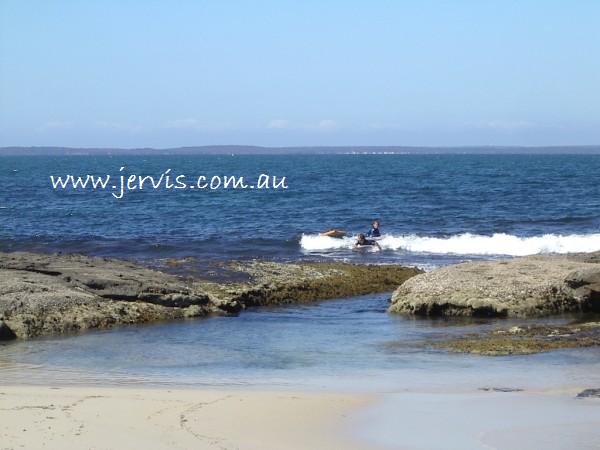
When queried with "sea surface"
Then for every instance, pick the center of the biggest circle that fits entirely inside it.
(434, 209)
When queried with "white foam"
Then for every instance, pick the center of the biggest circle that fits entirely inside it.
(468, 244)
(315, 242)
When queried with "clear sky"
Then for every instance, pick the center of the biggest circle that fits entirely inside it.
(170, 73)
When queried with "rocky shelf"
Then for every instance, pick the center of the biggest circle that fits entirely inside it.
(42, 294)
(522, 287)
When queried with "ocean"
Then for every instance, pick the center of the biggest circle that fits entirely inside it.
(434, 209)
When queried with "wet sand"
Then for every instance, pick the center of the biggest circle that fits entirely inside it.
(482, 420)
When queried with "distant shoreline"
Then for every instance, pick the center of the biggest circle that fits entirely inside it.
(316, 150)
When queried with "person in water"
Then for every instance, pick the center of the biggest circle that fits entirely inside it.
(362, 241)
(374, 231)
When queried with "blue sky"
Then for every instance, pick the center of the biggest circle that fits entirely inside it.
(161, 74)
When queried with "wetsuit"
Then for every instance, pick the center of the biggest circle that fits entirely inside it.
(365, 242)
(374, 232)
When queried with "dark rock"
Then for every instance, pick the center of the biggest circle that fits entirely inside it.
(6, 333)
(586, 286)
(589, 393)
(500, 389)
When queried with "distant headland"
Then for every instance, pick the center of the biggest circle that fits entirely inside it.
(317, 150)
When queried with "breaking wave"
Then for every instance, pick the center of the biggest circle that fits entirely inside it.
(467, 244)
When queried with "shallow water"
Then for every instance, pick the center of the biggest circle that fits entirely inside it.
(347, 344)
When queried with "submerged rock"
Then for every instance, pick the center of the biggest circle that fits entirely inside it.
(520, 287)
(500, 389)
(526, 340)
(589, 393)
(44, 294)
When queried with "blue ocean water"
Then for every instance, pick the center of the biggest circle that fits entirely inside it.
(434, 208)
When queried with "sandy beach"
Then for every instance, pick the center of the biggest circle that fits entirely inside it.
(114, 418)
(106, 418)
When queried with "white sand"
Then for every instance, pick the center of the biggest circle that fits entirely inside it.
(67, 418)
(81, 418)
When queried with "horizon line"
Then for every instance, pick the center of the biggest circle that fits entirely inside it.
(4, 147)
(225, 149)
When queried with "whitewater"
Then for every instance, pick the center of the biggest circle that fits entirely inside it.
(498, 244)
